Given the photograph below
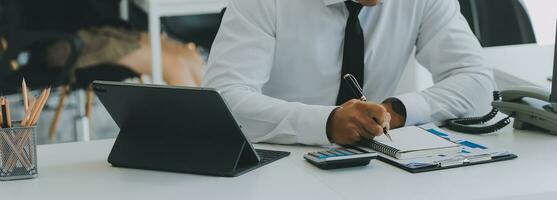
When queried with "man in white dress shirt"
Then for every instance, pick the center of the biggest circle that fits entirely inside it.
(279, 63)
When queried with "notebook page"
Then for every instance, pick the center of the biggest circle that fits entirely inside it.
(413, 138)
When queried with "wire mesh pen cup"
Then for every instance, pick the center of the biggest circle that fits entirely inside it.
(18, 153)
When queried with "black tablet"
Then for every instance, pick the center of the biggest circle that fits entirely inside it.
(180, 129)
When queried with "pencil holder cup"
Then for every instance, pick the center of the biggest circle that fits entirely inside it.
(18, 153)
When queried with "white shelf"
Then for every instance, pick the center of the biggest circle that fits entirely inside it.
(166, 8)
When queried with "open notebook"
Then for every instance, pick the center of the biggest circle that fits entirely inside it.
(412, 142)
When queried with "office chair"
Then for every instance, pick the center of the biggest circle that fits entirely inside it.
(23, 54)
(14, 40)
(200, 29)
(18, 43)
(498, 22)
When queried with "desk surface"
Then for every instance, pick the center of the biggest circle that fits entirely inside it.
(80, 171)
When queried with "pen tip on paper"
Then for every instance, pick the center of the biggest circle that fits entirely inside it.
(388, 136)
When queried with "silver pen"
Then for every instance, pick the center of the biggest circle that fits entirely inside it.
(357, 89)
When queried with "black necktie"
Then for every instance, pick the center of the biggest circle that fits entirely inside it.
(353, 56)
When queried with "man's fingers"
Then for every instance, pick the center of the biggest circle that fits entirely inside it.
(352, 135)
(367, 125)
(387, 121)
(375, 111)
(382, 119)
(359, 120)
(360, 135)
(377, 130)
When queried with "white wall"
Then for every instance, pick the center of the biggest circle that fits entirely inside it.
(543, 14)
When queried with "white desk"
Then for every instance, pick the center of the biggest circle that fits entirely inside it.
(528, 64)
(80, 171)
(156, 9)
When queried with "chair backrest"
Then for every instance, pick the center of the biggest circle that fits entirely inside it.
(69, 15)
(498, 22)
(222, 14)
(32, 46)
(200, 29)
(13, 42)
(10, 17)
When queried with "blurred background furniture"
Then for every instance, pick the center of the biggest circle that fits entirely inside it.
(17, 42)
(155, 9)
(32, 26)
(498, 22)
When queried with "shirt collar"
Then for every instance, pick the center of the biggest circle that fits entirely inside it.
(331, 2)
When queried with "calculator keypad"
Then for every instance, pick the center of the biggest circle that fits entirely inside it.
(336, 152)
(340, 157)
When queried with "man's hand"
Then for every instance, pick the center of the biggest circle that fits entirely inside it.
(398, 116)
(356, 120)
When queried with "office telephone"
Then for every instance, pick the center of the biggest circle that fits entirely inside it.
(529, 106)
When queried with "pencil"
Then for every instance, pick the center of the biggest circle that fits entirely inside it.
(35, 110)
(4, 150)
(1, 118)
(24, 94)
(34, 106)
(8, 113)
(32, 100)
(41, 106)
(18, 151)
(6, 118)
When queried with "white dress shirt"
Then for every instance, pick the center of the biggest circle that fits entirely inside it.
(277, 63)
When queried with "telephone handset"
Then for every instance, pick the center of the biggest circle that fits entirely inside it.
(530, 106)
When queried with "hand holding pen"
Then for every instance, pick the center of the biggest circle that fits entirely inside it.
(357, 119)
(357, 89)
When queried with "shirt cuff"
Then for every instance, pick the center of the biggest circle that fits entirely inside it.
(417, 109)
(313, 125)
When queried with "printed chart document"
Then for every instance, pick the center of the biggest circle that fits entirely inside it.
(469, 153)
